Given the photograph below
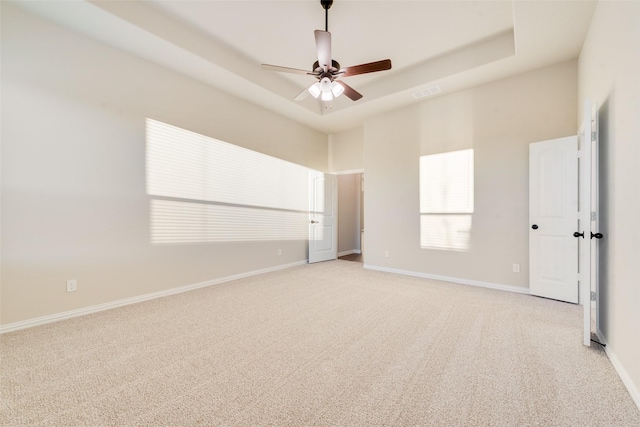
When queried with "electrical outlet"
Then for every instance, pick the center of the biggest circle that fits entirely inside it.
(72, 285)
(516, 268)
(386, 254)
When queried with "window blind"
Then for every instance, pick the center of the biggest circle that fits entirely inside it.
(446, 200)
(207, 190)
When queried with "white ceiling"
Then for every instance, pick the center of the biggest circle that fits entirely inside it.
(452, 44)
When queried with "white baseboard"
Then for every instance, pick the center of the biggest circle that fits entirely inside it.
(10, 327)
(352, 251)
(489, 285)
(622, 373)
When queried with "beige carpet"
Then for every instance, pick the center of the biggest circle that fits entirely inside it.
(328, 344)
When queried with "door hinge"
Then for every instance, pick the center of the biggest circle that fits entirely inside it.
(593, 296)
(593, 136)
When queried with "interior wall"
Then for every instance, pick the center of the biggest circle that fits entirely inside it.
(609, 76)
(499, 121)
(74, 204)
(346, 151)
(348, 214)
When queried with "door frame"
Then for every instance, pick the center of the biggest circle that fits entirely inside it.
(589, 214)
(587, 220)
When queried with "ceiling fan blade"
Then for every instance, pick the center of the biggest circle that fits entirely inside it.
(349, 92)
(323, 44)
(286, 69)
(371, 67)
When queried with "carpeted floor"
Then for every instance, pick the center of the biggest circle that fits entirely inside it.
(327, 344)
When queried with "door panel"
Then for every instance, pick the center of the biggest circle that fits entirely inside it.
(323, 217)
(553, 206)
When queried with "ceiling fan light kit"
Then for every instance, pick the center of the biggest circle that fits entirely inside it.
(326, 89)
(336, 89)
(315, 90)
(327, 70)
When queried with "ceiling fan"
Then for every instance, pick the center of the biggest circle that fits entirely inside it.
(327, 70)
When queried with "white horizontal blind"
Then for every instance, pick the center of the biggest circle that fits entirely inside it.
(188, 222)
(225, 192)
(449, 232)
(446, 182)
(446, 200)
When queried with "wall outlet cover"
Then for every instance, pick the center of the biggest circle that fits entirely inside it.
(72, 285)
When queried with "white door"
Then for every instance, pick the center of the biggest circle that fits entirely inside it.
(553, 216)
(323, 217)
(588, 216)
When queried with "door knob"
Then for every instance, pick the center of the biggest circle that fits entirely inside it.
(597, 235)
(534, 226)
(576, 234)
(314, 222)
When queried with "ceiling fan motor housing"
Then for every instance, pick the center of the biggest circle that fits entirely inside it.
(335, 67)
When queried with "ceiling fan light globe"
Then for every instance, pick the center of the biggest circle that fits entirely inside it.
(336, 89)
(325, 84)
(327, 96)
(315, 90)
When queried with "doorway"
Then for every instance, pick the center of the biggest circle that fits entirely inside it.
(563, 191)
(351, 216)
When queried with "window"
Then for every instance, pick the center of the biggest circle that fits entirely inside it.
(206, 190)
(446, 200)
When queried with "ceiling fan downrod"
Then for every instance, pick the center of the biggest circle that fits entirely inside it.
(326, 4)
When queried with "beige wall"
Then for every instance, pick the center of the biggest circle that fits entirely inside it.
(74, 204)
(498, 121)
(610, 76)
(349, 213)
(346, 151)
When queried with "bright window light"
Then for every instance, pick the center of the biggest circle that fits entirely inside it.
(214, 191)
(446, 200)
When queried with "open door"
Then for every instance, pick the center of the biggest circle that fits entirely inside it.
(588, 217)
(553, 209)
(323, 217)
